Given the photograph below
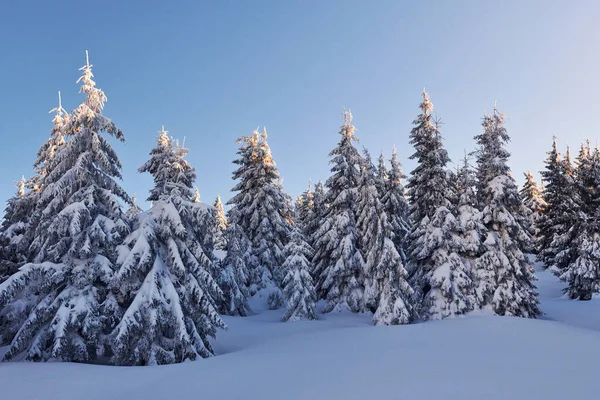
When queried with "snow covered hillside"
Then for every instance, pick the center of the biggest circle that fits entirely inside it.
(342, 356)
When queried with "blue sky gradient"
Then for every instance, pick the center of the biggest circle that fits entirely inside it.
(211, 71)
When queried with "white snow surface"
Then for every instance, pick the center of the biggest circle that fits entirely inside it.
(342, 356)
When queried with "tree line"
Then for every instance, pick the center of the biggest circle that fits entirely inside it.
(85, 280)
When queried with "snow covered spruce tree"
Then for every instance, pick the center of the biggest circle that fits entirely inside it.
(382, 176)
(442, 282)
(578, 248)
(503, 273)
(318, 207)
(16, 222)
(133, 209)
(338, 263)
(531, 196)
(57, 307)
(262, 210)
(163, 281)
(221, 225)
(304, 208)
(470, 226)
(387, 293)
(298, 288)
(396, 205)
(234, 272)
(21, 215)
(563, 204)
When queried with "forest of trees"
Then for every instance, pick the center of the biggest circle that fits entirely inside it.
(86, 275)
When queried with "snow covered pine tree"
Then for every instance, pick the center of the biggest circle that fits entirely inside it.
(531, 196)
(338, 263)
(317, 209)
(221, 225)
(298, 288)
(234, 271)
(13, 232)
(56, 307)
(262, 211)
(503, 273)
(387, 293)
(396, 205)
(163, 282)
(442, 282)
(563, 199)
(578, 247)
(470, 227)
(22, 214)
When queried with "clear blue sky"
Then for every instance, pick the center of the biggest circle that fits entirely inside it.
(213, 71)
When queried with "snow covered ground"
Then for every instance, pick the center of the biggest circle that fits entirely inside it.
(343, 357)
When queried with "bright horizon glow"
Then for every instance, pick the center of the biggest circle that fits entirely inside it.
(211, 72)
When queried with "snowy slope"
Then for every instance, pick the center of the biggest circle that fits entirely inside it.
(344, 357)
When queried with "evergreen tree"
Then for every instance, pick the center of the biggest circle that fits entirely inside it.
(234, 273)
(262, 209)
(13, 231)
(338, 264)
(531, 196)
(470, 227)
(441, 280)
(22, 214)
(504, 275)
(48, 150)
(304, 208)
(387, 293)
(428, 183)
(583, 274)
(318, 208)
(578, 248)
(57, 306)
(382, 176)
(298, 288)
(396, 205)
(164, 281)
(563, 205)
(133, 209)
(198, 218)
(370, 222)
(220, 226)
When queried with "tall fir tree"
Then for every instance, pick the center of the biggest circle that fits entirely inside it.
(382, 176)
(396, 205)
(318, 208)
(428, 183)
(163, 282)
(338, 263)
(470, 226)
(234, 276)
(57, 307)
(262, 209)
(387, 293)
(578, 247)
(531, 196)
(220, 226)
(133, 209)
(441, 280)
(503, 273)
(563, 205)
(298, 288)
(14, 231)
(22, 213)
(304, 208)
